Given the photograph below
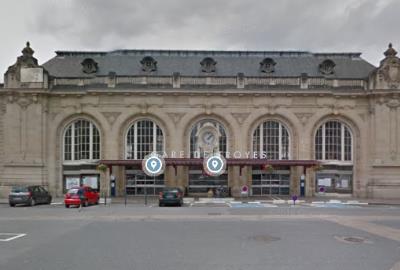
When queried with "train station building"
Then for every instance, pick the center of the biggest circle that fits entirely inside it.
(286, 122)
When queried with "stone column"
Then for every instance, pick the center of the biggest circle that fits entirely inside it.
(295, 174)
(234, 180)
(105, 183)
(310, 182)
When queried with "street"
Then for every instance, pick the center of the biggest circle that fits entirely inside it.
(208, 237)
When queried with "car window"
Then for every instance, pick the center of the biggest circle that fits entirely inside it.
(35, 189)
(73, 191)
(172, 190)
(19, 189)
(42, 189)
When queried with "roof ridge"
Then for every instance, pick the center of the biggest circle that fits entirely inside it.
(209, 53)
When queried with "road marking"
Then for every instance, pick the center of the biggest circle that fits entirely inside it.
(11, 236)
(57, 203)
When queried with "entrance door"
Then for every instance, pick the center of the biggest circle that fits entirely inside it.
(274, 183)
(138, 184)
(200, 183)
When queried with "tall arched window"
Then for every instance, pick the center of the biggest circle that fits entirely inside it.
(144, 137)
(333, 141)
(81, 141)
(207, 136)
(271, 141)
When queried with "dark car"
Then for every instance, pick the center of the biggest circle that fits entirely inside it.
(170, 196)
(29, 195)
(81, 196)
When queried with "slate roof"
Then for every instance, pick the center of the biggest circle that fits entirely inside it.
(67, 64)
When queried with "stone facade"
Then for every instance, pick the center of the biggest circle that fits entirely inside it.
(37, 104)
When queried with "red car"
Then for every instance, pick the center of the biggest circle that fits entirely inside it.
(81, 196)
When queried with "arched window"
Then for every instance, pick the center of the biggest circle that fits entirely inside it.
(81, 141)
(333, 141)
(271, 141)
(144, 137)
(207, 136)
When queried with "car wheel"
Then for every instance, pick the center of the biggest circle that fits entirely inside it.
(67, 206)
(160, 204)
(12, 204)
(97, 202)
(49, 201)
(85, 203)
(32, 202)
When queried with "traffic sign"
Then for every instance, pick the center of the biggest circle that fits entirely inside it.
(214, 165)
(153, 165)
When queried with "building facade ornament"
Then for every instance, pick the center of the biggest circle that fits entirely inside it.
(389, 69)
(327, 67)
(148, 64)
(89, 66)
(176, 117)
(240, 117)
(111, 116)
(208, 65)
(303, 117)
(267, 65)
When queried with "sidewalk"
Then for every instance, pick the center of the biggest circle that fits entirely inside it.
(269, 199)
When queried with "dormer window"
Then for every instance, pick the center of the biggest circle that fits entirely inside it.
(208, 65)
(327, 67)
(149, 64)
(267, 65)
(89, 66)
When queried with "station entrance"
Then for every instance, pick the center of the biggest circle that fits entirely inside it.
(261, 182)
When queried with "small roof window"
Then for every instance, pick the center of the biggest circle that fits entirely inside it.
(327, 67)
(89, 66)
(208, 65)
(148, 64)
(267, 65)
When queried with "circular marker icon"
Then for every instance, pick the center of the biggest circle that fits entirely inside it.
(153, 165)
(214, 165)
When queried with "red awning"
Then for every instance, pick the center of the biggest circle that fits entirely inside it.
(230, 162)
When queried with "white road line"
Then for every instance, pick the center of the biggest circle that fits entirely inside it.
(16, 235)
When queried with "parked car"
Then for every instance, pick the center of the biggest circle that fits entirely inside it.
(81, 196)
(170, 196)
(30, 195)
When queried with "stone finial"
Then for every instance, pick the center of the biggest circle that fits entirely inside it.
(27, 51)
(390, 52)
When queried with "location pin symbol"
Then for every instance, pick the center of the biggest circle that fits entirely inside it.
(214, 163)
(153, 164)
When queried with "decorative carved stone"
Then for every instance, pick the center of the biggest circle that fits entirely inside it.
(303, 117)
(24, 102)
(240, 117)
(208, 108)
(26, 60)
(389, 70)
(143, 108)
(393, 103)
(176, 117)
(111, 116)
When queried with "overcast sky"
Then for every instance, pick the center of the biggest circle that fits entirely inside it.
(365, 26)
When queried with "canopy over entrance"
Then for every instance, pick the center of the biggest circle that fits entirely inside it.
(230, 162)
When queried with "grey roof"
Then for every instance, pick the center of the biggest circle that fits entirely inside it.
(229, 63)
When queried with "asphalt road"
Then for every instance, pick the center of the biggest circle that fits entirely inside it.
(138, 237)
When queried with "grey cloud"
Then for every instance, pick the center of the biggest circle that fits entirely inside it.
(336, 25)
